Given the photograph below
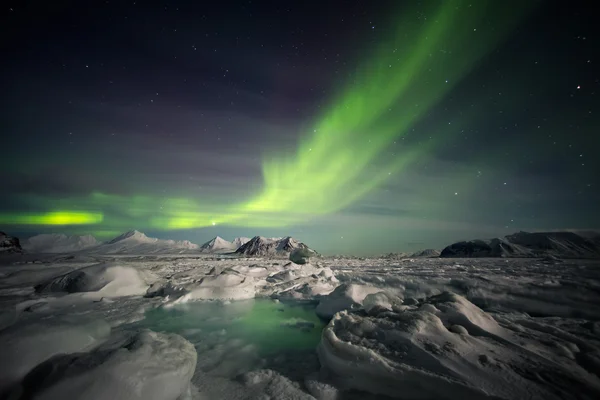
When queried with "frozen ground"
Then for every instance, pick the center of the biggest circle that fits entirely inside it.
(129, 327)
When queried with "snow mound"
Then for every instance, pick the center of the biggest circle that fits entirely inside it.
(225, 286)
(149, 366)
(446, 349)
(135, 242)
(380, 301)
(344, 297)
(59, 243)
(26, 344)
(9, 244)
(260, 246)
(105, 280)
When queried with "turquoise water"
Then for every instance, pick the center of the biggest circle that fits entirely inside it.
(270, 327)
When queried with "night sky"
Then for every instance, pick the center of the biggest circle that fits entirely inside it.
(358, 127)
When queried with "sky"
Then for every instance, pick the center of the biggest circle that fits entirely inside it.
(356, 127)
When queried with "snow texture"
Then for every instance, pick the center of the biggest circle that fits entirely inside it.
(26, 344)
(105, 279)
(147, 365)
(419, 327)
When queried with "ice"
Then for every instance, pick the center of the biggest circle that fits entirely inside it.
(427, 353)
(147, 365)
(345, 296)
(226, 286)
(25, 344)
(104, 280)
(380, 301)
(400, 327)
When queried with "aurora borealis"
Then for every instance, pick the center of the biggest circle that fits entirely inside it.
(360, 127)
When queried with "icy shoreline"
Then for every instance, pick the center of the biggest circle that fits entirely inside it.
(509, 329)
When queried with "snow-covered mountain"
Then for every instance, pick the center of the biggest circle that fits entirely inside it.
(135, 242)
(218, 244)
(426, 253)
(9, 244)
(261, 246)
(59, 243)
(240, 241)
(525, 244)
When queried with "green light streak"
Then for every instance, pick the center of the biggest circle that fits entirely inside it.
(341, 160)
(53, 218)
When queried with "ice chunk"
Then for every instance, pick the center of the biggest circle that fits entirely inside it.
(344, 297)
(26, 344)
(381, 301)
(417, 354)
(148, 365)
(105, 279)
(226, 286)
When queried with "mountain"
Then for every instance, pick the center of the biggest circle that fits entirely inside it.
(427, 253)
(261, 246)
(9, 244)
(240, 241)
(58, 243)
(218, 244)
(525, 244)
(135, 242)
(393, 256)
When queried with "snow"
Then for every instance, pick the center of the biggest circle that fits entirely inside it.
(58, 243)
(27, 343)
(226, 286)
(380, 301)
(135, 242)
(525, 244)
(260, 246)
(148, 365)
(103, 280)
(240, 241)
(403, 328)
(427, 353)
(345, 296)
(218, 244)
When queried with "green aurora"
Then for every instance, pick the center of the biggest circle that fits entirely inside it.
(341, 159)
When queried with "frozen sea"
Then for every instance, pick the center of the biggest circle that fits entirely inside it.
(215, 327)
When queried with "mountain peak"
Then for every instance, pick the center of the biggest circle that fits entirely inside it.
(132, 235)
(261, 246)
(218, 243)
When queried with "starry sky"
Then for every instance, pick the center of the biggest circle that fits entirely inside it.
(357, 127)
